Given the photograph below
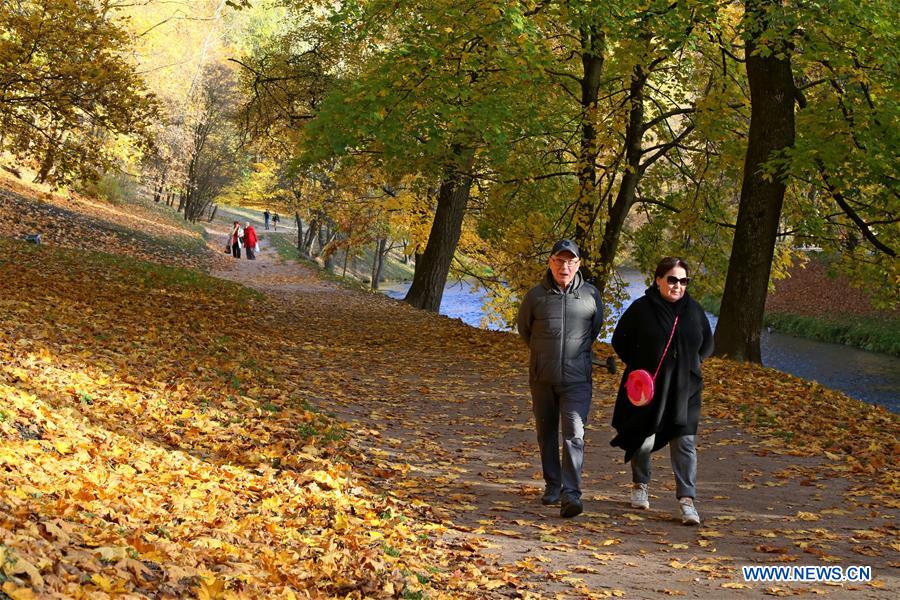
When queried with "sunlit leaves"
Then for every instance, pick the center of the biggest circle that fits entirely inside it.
(174, 465)
(158, 434)
(69, 88)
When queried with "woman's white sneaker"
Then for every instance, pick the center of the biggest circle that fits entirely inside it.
(689, 514)
(640, 496)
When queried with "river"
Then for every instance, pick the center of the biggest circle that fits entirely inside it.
(868, 376)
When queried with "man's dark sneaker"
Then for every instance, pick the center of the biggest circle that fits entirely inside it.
(551, 496)
(571, 507)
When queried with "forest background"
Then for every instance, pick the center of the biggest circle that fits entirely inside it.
(170, 434)
(743, 136)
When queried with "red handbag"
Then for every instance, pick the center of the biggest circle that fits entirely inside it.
(639, 383)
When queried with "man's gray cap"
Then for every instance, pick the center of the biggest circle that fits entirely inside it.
(565, 246)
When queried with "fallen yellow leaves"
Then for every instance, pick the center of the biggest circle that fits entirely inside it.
(611, 542)
(801, 418)
(18, 593)
(132, 463)
(14, 564)
(158, 436)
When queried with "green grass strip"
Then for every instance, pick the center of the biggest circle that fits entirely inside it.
(875, 334)
(867, 333)
(127, 269)
(286, 248)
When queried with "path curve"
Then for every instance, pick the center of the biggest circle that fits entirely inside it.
(443, 415)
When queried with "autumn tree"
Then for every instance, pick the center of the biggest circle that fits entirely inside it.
(175, 44)
(67, 87)
(634, 106)
(837, 178)
(772, 96)
(629, 88)
(257, 187)
(846, 196)
(212, 162)
(442, 101)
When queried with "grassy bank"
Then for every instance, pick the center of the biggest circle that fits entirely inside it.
(881, 335)
(866, 333)
(358, 270)
(287, 250)
(137, 228)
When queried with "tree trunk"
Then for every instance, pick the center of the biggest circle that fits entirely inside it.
(46, 166)
(634, 134)
(312, 233)
(771, 132)
(593, 47)
(378, 262)
(323, 242)
(212, 213)
(347, 250)
(299, 231)
(432, 269)
(160, 188)
(613, 229)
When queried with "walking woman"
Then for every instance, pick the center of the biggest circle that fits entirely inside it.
(236, 239)
(666, 333)
(251, 242)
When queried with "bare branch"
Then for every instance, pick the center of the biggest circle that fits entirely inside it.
(842, 202)
(666, 147)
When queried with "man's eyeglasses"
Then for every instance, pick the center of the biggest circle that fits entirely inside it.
(672, 280)
(562, 261)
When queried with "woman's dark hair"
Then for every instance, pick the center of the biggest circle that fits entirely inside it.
(669, 263)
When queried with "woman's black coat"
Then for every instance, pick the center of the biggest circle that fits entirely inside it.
(639, 340)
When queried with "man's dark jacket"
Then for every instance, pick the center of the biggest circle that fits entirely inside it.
(559, 327)
(639, 340)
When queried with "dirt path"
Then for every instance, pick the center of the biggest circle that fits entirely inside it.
(440, 412)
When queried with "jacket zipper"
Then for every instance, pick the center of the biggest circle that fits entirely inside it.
(562, 339)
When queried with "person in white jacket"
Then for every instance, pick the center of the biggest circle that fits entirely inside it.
(236, 240)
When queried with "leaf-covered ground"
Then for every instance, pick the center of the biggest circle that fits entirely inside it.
(791, 473)
(147, 231)
(811, 292)
(168, 434)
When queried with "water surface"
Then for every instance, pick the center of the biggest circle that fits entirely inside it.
(868, 376)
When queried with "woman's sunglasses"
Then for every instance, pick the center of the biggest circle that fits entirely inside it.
(672, 280)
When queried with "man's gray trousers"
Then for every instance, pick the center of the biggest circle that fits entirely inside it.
(566, 404)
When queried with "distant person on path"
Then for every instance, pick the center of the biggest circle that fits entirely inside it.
(266, 216)
(251, 242)
(559, 319)
(671, 417)
(275, 221)
(236, 239)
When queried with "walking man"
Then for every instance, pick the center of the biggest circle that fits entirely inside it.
(266, 216)
(559, 319)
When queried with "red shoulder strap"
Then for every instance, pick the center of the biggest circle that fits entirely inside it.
(671, 335)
